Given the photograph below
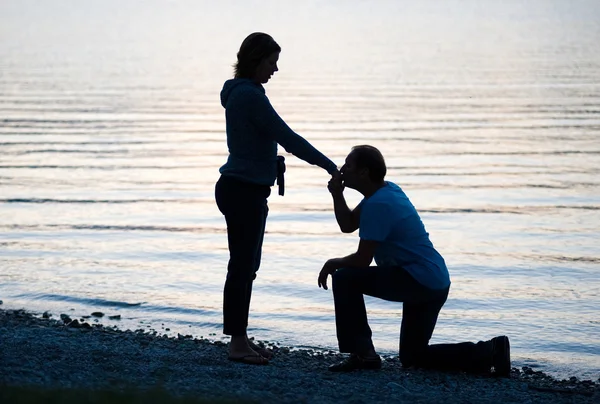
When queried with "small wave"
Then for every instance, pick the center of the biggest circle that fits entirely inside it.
(170, 229)
(106, 201)
(510, 209)
(82, 300)
(576, 207)
(448, 128)
(563, 258)
(524, 153)
(97, 123)
(430, 186)
(121, 142)
(488, 173)
(68, 121)
(491, 209)
(107, 167)
(72, 151)
(180, 310)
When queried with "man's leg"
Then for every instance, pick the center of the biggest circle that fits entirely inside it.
(419, 317)
(353, 331)
(418, 323)
(464, 356)
(388, 283)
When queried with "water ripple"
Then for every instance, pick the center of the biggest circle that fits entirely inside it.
(74, 299)
(105, 201)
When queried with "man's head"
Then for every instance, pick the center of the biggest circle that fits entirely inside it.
(364, 166)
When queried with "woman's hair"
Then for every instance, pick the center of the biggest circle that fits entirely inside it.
(370, 157)
(256, 47)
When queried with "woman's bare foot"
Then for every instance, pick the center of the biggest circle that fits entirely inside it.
(241, 351)
(264, 352)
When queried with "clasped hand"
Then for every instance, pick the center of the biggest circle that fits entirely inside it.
(335, 184)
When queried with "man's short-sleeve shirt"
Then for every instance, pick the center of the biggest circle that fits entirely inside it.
(390, 218)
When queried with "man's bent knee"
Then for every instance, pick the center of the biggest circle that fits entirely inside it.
(411, 357)
(406, 360)
(341, 277)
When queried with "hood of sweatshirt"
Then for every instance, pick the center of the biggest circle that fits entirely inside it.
(233, 85)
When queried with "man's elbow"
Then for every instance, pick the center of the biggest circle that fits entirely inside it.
(363, 260)
(346, 229)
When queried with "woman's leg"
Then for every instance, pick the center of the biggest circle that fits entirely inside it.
(245, 209)
(257, 257)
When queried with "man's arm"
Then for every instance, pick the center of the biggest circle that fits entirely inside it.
(360, 259)
(347, 219)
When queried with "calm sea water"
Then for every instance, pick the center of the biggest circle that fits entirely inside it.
(111, 136)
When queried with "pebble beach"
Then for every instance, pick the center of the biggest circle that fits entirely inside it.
(47, 350)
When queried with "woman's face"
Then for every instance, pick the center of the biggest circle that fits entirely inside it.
(266, 68)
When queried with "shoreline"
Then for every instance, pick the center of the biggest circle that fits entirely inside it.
(71, 354)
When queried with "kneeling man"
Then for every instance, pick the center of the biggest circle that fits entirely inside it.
(409, 269)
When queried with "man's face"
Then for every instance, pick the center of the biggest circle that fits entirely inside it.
(266, 68)
(350, 173)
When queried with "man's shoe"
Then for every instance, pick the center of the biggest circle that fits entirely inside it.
(501, 356)
(355, 362)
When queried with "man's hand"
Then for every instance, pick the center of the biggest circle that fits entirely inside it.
(335, 185)
(328, 269)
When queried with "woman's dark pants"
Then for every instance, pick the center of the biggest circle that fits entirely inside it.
(421, 307)
(244, 206)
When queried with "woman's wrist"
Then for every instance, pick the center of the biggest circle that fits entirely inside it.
(332, 169)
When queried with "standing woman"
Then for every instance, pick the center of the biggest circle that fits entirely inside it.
(253, 131)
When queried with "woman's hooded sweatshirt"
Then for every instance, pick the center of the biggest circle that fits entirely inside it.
(253, 131)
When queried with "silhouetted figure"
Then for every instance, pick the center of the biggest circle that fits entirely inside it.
(254, 130)
(409, 270)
